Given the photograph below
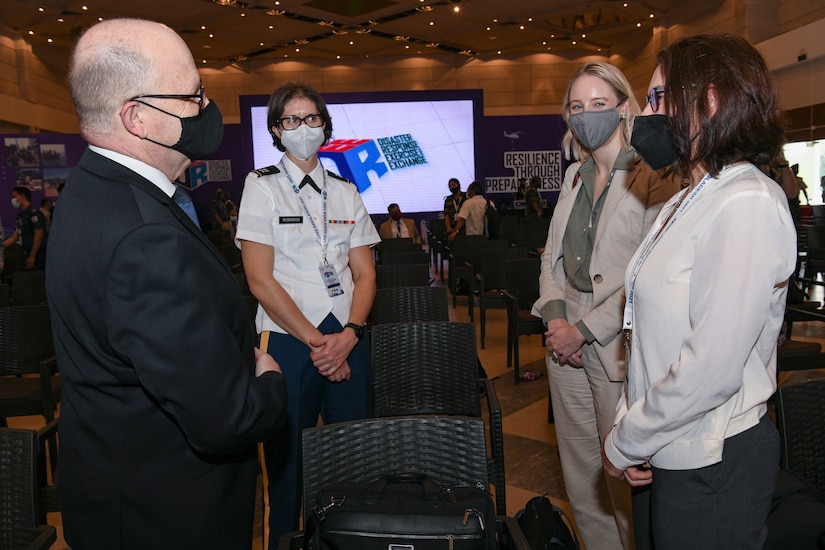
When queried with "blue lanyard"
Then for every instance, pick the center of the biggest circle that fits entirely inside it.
(323, 239)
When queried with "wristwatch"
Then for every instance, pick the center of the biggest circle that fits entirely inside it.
(359, 330)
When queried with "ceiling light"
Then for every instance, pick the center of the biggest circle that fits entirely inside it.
(41, 9)
(424, 9)
(84, 8)
(49, 40)
(456, 8)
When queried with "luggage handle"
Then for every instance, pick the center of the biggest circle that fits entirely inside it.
(427, 483)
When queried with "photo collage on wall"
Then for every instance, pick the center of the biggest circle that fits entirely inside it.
(40, 167)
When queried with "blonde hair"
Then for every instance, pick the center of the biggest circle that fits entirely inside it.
(617, 80)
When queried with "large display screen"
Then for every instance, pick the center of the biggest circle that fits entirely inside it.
(397, 147)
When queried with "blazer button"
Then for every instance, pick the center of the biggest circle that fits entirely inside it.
(597, 278)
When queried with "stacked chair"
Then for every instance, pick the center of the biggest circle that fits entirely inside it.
(432, 368)
(428, 418)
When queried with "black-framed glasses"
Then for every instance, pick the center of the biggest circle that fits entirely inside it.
(200, 97)
(654, 96)
(292, 122)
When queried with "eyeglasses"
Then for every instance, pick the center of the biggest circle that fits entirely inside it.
(291, 122)
(199, 97)
(654, 96)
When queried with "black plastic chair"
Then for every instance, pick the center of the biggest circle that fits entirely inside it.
(28, 288)
(448, 449)
(458, 260)
(473, 265)
(432, 368)
(409, 257)
(400, 275)
(406, 304)
(800, 418)
(491, 279)
(26, 495)
(522, 291)
(26, 348)
(436, 237)
(394, 246)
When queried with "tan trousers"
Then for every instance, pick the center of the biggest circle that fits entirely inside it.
(584, 403)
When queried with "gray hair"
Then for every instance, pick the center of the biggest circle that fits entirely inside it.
(104, 75)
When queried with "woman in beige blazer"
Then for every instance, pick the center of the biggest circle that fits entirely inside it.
(607, 203)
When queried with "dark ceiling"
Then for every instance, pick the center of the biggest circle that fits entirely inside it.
(226, 31)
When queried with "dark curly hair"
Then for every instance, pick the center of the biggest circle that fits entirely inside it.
(747, 123)
(285, 94)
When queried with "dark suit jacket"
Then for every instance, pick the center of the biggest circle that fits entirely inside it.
(161, 409)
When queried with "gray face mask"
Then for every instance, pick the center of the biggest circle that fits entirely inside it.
(594, 128)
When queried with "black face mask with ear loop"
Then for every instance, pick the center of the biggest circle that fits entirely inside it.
(651, 138)
(201, 135)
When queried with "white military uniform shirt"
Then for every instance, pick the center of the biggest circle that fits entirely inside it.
(271, 214)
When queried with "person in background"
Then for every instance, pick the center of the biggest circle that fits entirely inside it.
(779, 171)
(452, 204)
(706, 296)
(29, 229)
(47, 213)
(608, 201)
(398, 227)
(532, 198)
(164, 394)
(471, 217)
(305, 240)
(801, 186)
(220, 215)
(232, 210)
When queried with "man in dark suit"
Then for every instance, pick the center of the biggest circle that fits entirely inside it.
(164, 394)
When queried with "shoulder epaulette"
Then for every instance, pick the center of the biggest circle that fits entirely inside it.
(268, 171)
(337, 176)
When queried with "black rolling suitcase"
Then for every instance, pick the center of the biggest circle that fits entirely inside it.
(405, 512)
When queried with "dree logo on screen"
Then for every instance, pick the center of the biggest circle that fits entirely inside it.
(356, 158)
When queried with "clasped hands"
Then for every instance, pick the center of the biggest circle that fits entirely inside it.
(564, 342)
(329, 354)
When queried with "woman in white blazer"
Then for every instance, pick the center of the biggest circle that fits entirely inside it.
(706, 300)
(607, 203)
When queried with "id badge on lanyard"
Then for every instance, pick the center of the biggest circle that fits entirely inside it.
(330, 278)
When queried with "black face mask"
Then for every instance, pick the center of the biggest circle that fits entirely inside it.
(454, 190)
(652, 140)
(201, 135)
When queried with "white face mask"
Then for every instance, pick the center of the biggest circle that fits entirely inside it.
(15, 203)
(303, 142)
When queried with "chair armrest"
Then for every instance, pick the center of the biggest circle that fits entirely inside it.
(38, 538)
(496, 419)
(510, 299)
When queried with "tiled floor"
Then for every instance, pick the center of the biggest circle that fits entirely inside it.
(531, 459)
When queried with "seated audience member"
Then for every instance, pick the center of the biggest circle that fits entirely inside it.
(398, 227)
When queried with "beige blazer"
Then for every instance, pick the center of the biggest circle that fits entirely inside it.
(387, 230)
(633, 201)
